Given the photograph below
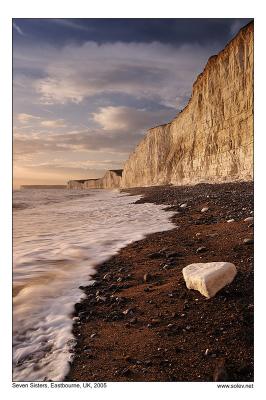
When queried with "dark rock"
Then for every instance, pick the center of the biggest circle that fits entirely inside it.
(148, 363)
(155, 255)
(96, 284)
(174, 254)
(163, 251)
(179, 350)
(126, 372)
(164, 362)
(115, 316)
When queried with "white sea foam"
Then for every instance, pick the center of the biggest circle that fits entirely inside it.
(58, 241)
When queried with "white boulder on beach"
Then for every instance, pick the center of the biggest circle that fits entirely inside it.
(209, 278)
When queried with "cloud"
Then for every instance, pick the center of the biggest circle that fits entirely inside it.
(81, 165)
(121, 119)
(18, 29)
(154, 71)
(24, 118)
(75, 141)
(120, 129)
(68, 24)
(58, 123)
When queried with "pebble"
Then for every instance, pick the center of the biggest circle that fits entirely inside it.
(184, 205)
(101, 298)
(93, 335)
(167, 266)
(107, 276)
(204, 209)
(201, 249)
(128, 311)
(230, 220)
(215, 234)
(146, 278)
(207, 351)
(249, 219)
(248, 241)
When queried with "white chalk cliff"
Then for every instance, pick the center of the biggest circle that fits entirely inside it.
(211, 140)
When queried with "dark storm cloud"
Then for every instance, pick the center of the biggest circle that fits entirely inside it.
(172, 30)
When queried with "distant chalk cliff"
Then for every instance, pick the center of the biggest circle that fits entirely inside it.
(111, 180)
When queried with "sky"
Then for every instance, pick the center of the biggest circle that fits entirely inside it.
(86, 90)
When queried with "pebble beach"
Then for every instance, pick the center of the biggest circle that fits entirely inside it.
(139, 322)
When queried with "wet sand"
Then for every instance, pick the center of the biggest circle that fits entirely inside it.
(139, 322)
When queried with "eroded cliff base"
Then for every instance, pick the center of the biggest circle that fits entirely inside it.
(139, 322)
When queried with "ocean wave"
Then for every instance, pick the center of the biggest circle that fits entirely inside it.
(56, 249)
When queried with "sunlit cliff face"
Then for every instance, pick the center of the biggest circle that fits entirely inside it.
(85, 91)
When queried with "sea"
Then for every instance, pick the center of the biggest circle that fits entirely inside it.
(59, 238)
